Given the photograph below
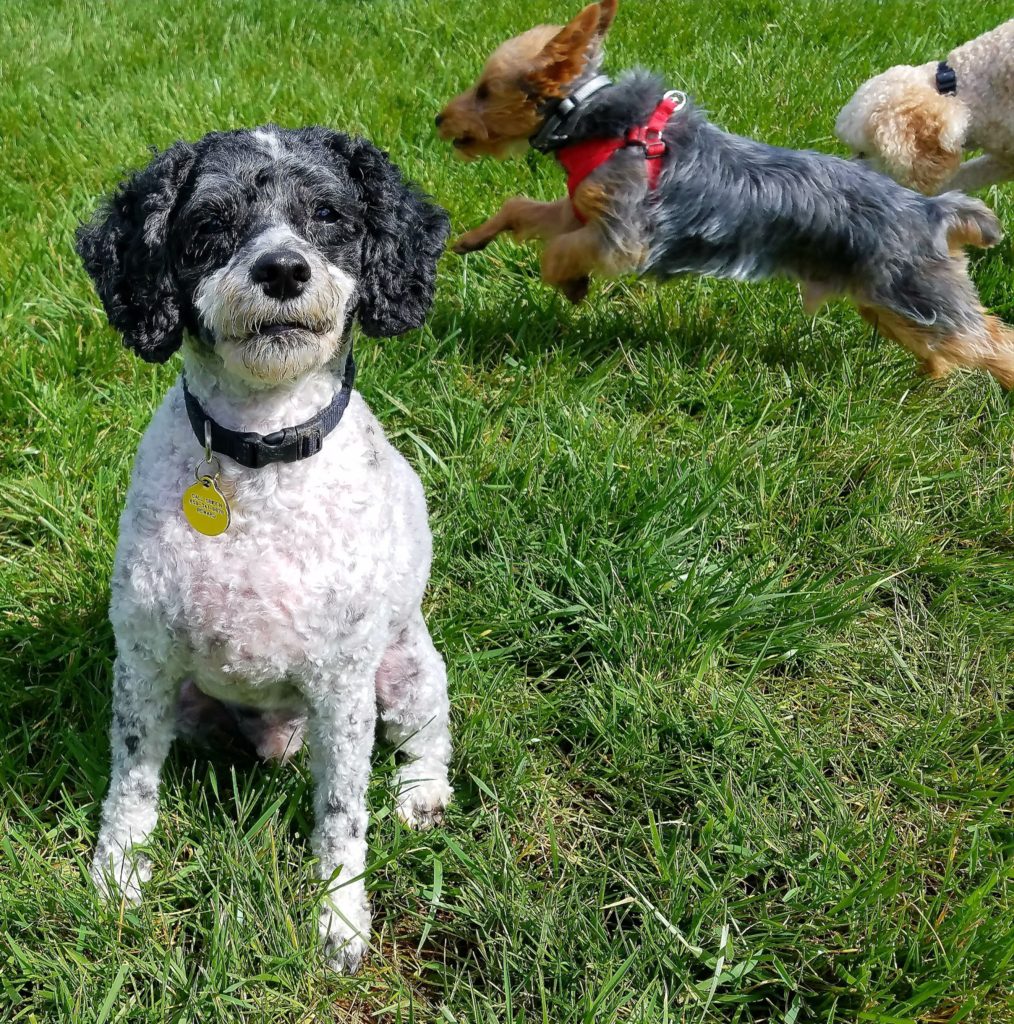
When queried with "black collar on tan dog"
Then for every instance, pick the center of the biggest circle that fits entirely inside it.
(947, 79)
(290, 444)
(553, 132)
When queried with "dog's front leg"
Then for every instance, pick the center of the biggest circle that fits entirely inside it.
(340, 738)
(569, 260)
(412, 698)
(981, 172)
(144, 699)
(525, 219)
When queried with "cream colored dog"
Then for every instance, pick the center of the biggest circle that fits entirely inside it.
(915, 123)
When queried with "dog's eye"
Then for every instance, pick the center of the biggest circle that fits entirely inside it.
(482, 93)
(211, 226)
(325, 214)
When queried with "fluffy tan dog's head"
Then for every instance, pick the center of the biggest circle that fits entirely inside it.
(497, 115)
(905, 127)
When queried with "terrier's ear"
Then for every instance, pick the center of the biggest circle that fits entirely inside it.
(607, 11)
(920, 139)
(124, 249)
(566, 55)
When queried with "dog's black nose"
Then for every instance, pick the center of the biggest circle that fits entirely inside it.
(438, 120)
(281, 273)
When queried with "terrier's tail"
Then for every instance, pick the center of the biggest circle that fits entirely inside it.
(967, 221)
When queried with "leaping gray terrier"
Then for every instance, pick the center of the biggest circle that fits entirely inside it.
(656, 189)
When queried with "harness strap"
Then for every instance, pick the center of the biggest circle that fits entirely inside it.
(553, 132)
(582, 158)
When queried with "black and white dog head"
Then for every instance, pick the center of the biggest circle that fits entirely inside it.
(264, 244)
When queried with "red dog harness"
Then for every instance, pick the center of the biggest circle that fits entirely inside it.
(580, 159)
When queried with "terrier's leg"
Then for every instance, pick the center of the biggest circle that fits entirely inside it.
(918, 340)
(569, 260)
(814, 294)
(999, 360)
(144, 709)
(988, 346)
(525, 219)
(412, 698)
(342, 716)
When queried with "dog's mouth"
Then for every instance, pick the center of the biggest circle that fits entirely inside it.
(284, 329)
(462, 141)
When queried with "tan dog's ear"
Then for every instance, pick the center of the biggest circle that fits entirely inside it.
(564, 57)
(607, 11)
(920, 138)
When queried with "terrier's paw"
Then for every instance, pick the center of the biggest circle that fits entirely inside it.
(119, 875)
(423, 794)
(344, 933)
(577, 290)
(934, 367)
(470, 241)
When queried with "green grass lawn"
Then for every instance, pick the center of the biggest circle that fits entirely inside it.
(726, 595)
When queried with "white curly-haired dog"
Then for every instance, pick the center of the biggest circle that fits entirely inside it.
(916, 123)
(257, 250)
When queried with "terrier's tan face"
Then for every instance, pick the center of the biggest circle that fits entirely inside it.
(497, 115)
(501, 109)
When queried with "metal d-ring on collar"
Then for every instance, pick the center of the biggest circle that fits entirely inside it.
(210, 459)
(290, 444)
(553, 132)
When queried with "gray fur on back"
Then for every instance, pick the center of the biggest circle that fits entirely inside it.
(729, 206)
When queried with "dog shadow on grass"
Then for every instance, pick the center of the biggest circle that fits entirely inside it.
(706, 326)
(54, 764)
(59, 671)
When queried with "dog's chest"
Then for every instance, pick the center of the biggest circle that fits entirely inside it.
(301, 574)
(269, 600)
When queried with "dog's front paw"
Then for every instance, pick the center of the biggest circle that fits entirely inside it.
(471, 241)
(345, 933)
(577, 290)
(423, 794)
(118, 874)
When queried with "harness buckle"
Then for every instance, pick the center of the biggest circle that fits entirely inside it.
(653, 144)
(649, 139)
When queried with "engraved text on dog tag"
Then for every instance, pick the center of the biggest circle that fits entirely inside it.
(205, 507)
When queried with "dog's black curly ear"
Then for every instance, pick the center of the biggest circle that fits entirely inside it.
(124, 250)
(405, 236)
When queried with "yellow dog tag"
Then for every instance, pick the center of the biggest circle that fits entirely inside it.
(205, 507)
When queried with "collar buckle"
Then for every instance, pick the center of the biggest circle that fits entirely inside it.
(256, 451)
(552, 133)
(309, 441)
(946, 79)
(290, 444)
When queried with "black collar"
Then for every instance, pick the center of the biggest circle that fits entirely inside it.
(947, 79)
(553, 132)
(290, 444)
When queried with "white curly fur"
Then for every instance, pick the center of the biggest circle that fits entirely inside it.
(304, 618)
(308, 605)
(902, 122)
